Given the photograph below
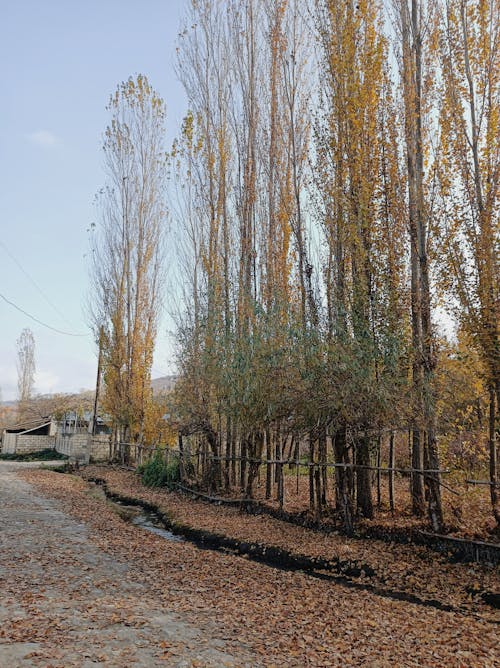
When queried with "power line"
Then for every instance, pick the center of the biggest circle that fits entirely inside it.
(54, 329)
(34, 283)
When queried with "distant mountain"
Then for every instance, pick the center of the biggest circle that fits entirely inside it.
(163, 384)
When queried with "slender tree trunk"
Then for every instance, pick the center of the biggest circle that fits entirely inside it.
(417, 480)
(434, 480)
(269, 466)
(214, 468)
(227, 463)
(412, 30)
(323, 456)
(256, 442)
(279, 469)
(343, 495)
(317, 487)
(311, 472)
(493, 458)
(233, 458)
(182, 472)
(363, 483)
(379, 472)
(391, 471)
(243, 463)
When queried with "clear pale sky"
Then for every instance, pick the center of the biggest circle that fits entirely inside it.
(60, 61)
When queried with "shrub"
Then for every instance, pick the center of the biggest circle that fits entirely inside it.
(157, 473)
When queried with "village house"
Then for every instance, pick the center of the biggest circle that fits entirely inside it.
(29, 437)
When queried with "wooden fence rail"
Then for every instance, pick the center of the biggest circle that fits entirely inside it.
(140, 449)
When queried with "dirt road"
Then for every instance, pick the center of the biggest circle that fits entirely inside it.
(64, 602)
(81, 585)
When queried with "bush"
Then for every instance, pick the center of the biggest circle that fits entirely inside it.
(156, 473)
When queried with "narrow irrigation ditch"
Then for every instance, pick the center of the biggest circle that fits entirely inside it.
(456, 550)
(339, 571)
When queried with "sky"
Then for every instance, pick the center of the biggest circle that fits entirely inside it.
(60, 61)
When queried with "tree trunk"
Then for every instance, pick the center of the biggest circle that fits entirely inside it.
(493, 458)
(233, 458)
(311, 473)
(243, 464)
(182, 472)
(213, 470)
(363, 482)
(391, 472)
(412, 19)
(227, 463)
(269, 466)
(417, 480)
(379, 472)
(324, 471)
(317, 486)
(255, 453)
(434, 484)
(342, 487)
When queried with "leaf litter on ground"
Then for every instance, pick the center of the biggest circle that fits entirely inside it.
(288, 618)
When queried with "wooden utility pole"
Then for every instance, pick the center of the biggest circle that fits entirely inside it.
(98, 381)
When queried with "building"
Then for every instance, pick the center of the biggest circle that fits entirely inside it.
(28, 437)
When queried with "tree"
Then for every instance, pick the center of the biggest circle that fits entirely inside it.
(25, 367)
(309, 242)
(128, 251)
(241, 157)
(414, 21)
(462, 405)
(469, 170)
(358, 177)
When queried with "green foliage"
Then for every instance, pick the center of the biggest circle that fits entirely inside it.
(43, 456)
(157, 473)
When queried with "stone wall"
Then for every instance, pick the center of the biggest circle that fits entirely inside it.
(99, 447)
(9, 443)
(74, 446)
(82, 447)
(22, 444)
(27, 443)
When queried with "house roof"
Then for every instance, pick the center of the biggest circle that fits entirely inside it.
(26, 427)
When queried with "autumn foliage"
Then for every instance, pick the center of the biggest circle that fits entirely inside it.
(311, 189)
(335, 206)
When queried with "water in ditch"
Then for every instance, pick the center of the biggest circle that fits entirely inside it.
(139, 517)
(151, 522)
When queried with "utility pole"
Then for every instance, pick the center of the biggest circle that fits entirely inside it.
(98, 381)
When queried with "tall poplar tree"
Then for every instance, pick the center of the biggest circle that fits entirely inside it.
(469, 48)
(414, 30)
(128, 252)
(25, 367)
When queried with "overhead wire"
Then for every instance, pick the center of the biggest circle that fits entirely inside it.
(34, 283)
(40, 322)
